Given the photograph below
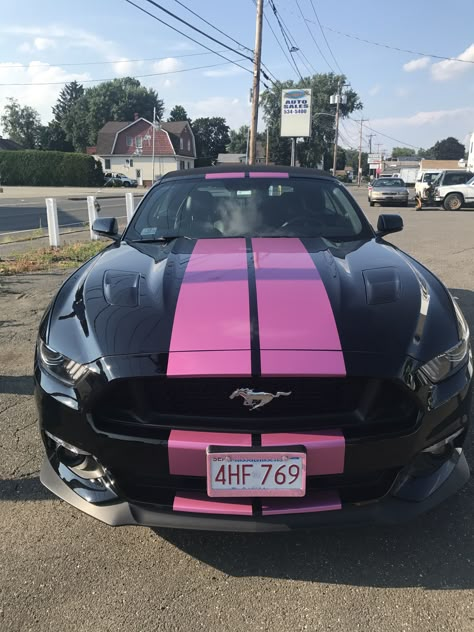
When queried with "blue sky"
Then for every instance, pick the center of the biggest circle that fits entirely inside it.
(416, 99)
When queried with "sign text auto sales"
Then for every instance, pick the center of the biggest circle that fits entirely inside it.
(295, 112)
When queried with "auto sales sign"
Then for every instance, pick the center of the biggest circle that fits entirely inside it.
(295, 113)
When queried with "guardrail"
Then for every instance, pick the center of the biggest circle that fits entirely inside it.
(54, 228)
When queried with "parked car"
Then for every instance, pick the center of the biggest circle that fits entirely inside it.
(455, 196)
(119, 179)
(250, 355)
(388, 191)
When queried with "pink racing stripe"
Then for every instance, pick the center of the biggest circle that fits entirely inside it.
(268, 174)
(199, 503)
(221, 175)
(211, 328)
(294, 313)
(187, 449)
(325, 449)
(316, 501)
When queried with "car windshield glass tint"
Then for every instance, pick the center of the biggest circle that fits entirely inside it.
(248, 207)
(389, 182)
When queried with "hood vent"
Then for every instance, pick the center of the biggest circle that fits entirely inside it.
(382, 285)
(121, 288)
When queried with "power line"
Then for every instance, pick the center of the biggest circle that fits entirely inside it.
(195, 28)
(291, 48)
(312, 36)
(99, 63)
(213, 26)
(288, 59)
(188, 36)
(297, 50)
(152, 74)
(400, 50)
(397, 140)
(324, 35)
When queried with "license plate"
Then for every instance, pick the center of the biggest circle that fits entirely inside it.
(263, 473)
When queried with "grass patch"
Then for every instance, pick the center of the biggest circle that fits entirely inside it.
(67, 256)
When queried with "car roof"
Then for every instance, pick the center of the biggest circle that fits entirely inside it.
(243, 168)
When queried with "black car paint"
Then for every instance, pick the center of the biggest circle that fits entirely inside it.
(117, 310)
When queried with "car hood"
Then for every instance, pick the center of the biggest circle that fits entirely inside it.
(366, 299)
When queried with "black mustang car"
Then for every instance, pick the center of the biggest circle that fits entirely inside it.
(251, 355)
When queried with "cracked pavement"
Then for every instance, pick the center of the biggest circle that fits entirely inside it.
(62, 570)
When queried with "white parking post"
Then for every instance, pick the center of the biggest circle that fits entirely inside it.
(53, 226)
(130, 205)
(92, 211)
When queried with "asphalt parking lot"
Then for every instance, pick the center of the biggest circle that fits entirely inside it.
(61, 570)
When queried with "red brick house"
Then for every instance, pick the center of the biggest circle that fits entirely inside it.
(127, 147)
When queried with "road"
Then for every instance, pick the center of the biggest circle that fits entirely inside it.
(30, 214)
(61, 570)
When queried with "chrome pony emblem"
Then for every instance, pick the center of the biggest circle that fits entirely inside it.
(254, 399)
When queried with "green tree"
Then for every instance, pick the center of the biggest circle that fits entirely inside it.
(313, 149)
(238, 140)
(448, 149)
(116, 100)
(178, 113)
(53, 138)
(21, 123)
(402, 151)
(68, 97)
(352, 161)
(212, 137)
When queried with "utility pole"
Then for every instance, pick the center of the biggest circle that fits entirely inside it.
(370, 142)
(256, 82)
(337, 99)
(359, 172)
(153, 149)
(267, 149)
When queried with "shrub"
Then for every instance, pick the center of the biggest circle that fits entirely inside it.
(49, 168)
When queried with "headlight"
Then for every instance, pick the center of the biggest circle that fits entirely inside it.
(443, 365)
(60, 366)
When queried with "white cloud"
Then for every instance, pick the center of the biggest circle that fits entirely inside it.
(234, 110)
(124, 66)
(43, 43)
(42, 98)
(170, 64)
(375, 90)
(450, 69)
(417, 64)
(224, 72)
(434, 117)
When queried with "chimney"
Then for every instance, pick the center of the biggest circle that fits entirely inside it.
(135, 116)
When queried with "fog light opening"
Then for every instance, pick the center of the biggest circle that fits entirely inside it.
(80, 462)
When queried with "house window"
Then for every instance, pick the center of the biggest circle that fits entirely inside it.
(181, 143)
(189, 145)
(181, 164)
(131, 162)
(129, 141)
(139, 142)
(107, 164)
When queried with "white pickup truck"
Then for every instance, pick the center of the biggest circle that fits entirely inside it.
(424, 179)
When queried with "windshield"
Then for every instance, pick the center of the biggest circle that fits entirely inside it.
(248, 207)
(389, 182)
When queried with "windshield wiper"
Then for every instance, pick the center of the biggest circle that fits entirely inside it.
(161, 239)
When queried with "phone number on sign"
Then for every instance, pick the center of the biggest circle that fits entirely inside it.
(295, 111)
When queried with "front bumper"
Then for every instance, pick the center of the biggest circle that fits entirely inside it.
(389, 510)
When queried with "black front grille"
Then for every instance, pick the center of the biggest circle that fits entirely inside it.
(143, 406)
(360, 487)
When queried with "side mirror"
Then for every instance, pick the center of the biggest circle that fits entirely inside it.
(106, 227)
(389, 224)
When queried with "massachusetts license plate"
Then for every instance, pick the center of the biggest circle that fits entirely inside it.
(275, 473)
